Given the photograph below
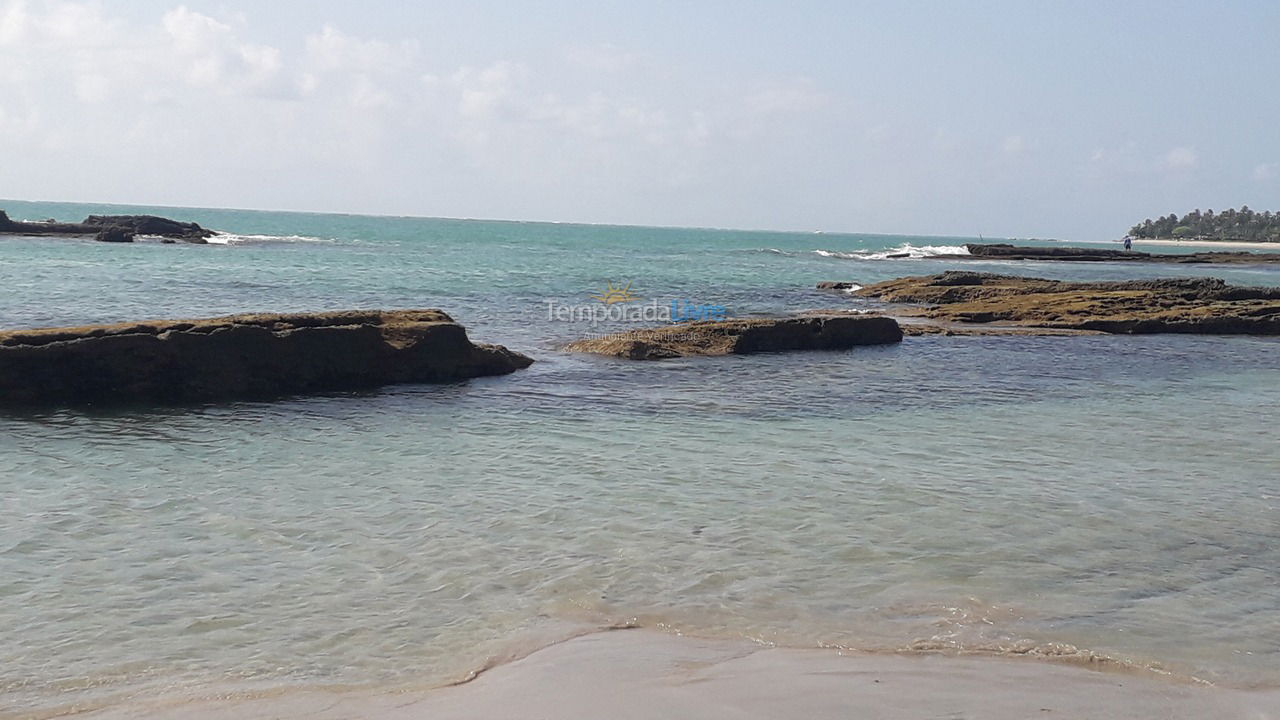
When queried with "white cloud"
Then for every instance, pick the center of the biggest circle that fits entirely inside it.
(1181, 159)
(798, 95)
(604, 58)
(333, 50)
(1013, 145)
(1132, 159)
(1264, 171)
(193, 33)
(69, 24)
(604, 117)
(19, 125)
(209, 55)
(489, 91)
(13, 23)
(92, 87)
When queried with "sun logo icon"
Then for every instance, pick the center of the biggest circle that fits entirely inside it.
(613, 294)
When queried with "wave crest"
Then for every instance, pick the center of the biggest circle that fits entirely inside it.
(237, 239)
(902, 252)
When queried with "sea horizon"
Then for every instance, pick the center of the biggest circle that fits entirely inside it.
(342, 213)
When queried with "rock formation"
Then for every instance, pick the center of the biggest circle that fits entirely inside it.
(47, 227)
(1185, 305)
(1001, 251)
(152, 225)
(241, 356)
(114, 234)
(744, 336)
(97, 225)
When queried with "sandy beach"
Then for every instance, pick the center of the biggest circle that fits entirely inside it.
(648, 674)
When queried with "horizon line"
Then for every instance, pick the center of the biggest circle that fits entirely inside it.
(518, 221)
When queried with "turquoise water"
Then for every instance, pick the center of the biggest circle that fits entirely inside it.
(1082, 497)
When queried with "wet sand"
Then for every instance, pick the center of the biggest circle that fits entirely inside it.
(647, 674)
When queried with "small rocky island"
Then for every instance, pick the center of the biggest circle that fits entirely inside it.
(741, 336)
(1003, 251)
(241, 357)
(1183, 305)
(111, 228)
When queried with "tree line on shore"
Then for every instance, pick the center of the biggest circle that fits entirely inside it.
(1243, 224)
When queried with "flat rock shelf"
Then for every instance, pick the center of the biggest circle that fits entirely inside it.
(241, 356)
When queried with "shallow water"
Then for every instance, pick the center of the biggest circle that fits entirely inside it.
(1114, 496)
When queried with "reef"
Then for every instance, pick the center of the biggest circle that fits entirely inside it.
(741, 336)
(1001, 251)
(1180, 305)
(241, 357)
(111, 228)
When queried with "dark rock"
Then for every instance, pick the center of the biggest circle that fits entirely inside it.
(114, 234)
(1015, 252)
(8, 225)
(151, 225)
(1004, 251)
(838, 286)
(95, 224)
(744, 336)
(241, 356)
(1175, 305)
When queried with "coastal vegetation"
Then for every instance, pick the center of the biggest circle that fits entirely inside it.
(1238, 225)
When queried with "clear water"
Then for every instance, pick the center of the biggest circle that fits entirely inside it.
(1080, 496)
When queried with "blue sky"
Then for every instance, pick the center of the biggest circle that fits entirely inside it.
(1068, 120)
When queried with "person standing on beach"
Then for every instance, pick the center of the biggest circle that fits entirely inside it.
(1128, 243)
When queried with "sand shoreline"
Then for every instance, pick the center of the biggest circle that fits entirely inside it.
(649, 674)
(1211, 244)
(1169, 242)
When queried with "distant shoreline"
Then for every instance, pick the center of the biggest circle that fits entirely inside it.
(1209, 243)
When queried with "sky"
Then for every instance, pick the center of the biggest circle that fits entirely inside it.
(1068, 120)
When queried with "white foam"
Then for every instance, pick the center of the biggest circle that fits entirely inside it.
(906, 250)
(235, 239)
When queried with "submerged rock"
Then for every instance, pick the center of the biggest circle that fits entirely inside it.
(745, 336)
(1180, 305)
(241, 356)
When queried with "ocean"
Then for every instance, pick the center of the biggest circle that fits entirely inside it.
(1107, 500)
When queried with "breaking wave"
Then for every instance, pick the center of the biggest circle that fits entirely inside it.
(234, 239)
(902, 252)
